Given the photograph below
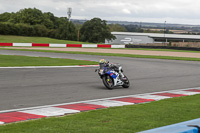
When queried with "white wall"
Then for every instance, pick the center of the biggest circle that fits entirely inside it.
(130, 39)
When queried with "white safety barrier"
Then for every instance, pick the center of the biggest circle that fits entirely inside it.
(22, 44)
(58, 45)
(117, 46)
(89, 45)
(62, 45)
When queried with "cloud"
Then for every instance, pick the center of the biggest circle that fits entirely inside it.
(174, 11)
(126, 11)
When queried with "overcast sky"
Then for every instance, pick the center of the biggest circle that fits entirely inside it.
(158, 11)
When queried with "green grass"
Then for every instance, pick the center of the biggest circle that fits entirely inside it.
(126, 119)
(23, 39)
(111, 54)
(10, 60)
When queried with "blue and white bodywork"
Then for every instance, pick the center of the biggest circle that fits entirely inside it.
(112, 75)
(115, 76)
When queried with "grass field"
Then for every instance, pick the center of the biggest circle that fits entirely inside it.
(10, 60)
(126, 119)
(23, 39)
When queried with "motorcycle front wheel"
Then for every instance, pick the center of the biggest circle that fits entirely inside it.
(126, 83)
(108, 82)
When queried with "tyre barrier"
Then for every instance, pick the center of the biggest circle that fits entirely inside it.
(61, 45)
(163, 47)
(192, 126)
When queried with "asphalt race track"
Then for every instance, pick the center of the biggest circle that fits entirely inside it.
(20, 88)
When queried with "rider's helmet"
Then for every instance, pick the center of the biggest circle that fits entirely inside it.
(103, 61)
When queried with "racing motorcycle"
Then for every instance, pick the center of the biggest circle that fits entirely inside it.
(112, 75)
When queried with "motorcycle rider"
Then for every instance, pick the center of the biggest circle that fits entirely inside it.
(103, 63)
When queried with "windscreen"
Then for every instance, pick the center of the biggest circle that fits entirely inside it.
(102, 65)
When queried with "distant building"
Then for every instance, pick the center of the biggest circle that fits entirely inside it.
(144, 38)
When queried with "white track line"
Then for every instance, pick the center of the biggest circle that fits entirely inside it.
(149, 96)
(50, 111)
(1, 123)
(109, 103)
(185, 92)
(87, 101)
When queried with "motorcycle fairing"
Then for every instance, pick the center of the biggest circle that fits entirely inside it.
(112, 74)
(115, 76)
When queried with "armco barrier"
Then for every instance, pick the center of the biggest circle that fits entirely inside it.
(163, 47)
(62, 45)
(191, 126)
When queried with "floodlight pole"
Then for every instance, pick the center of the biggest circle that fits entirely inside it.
(164, 30)
(69, 12)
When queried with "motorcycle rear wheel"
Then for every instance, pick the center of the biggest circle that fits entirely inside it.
(108, 82)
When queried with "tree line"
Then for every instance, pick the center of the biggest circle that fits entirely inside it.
(33, 22)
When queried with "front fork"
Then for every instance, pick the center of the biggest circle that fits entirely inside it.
(108, 79)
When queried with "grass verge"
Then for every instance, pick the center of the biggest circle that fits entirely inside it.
(126, 119)
(24, 39)
(11, 60)
(111, 54)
